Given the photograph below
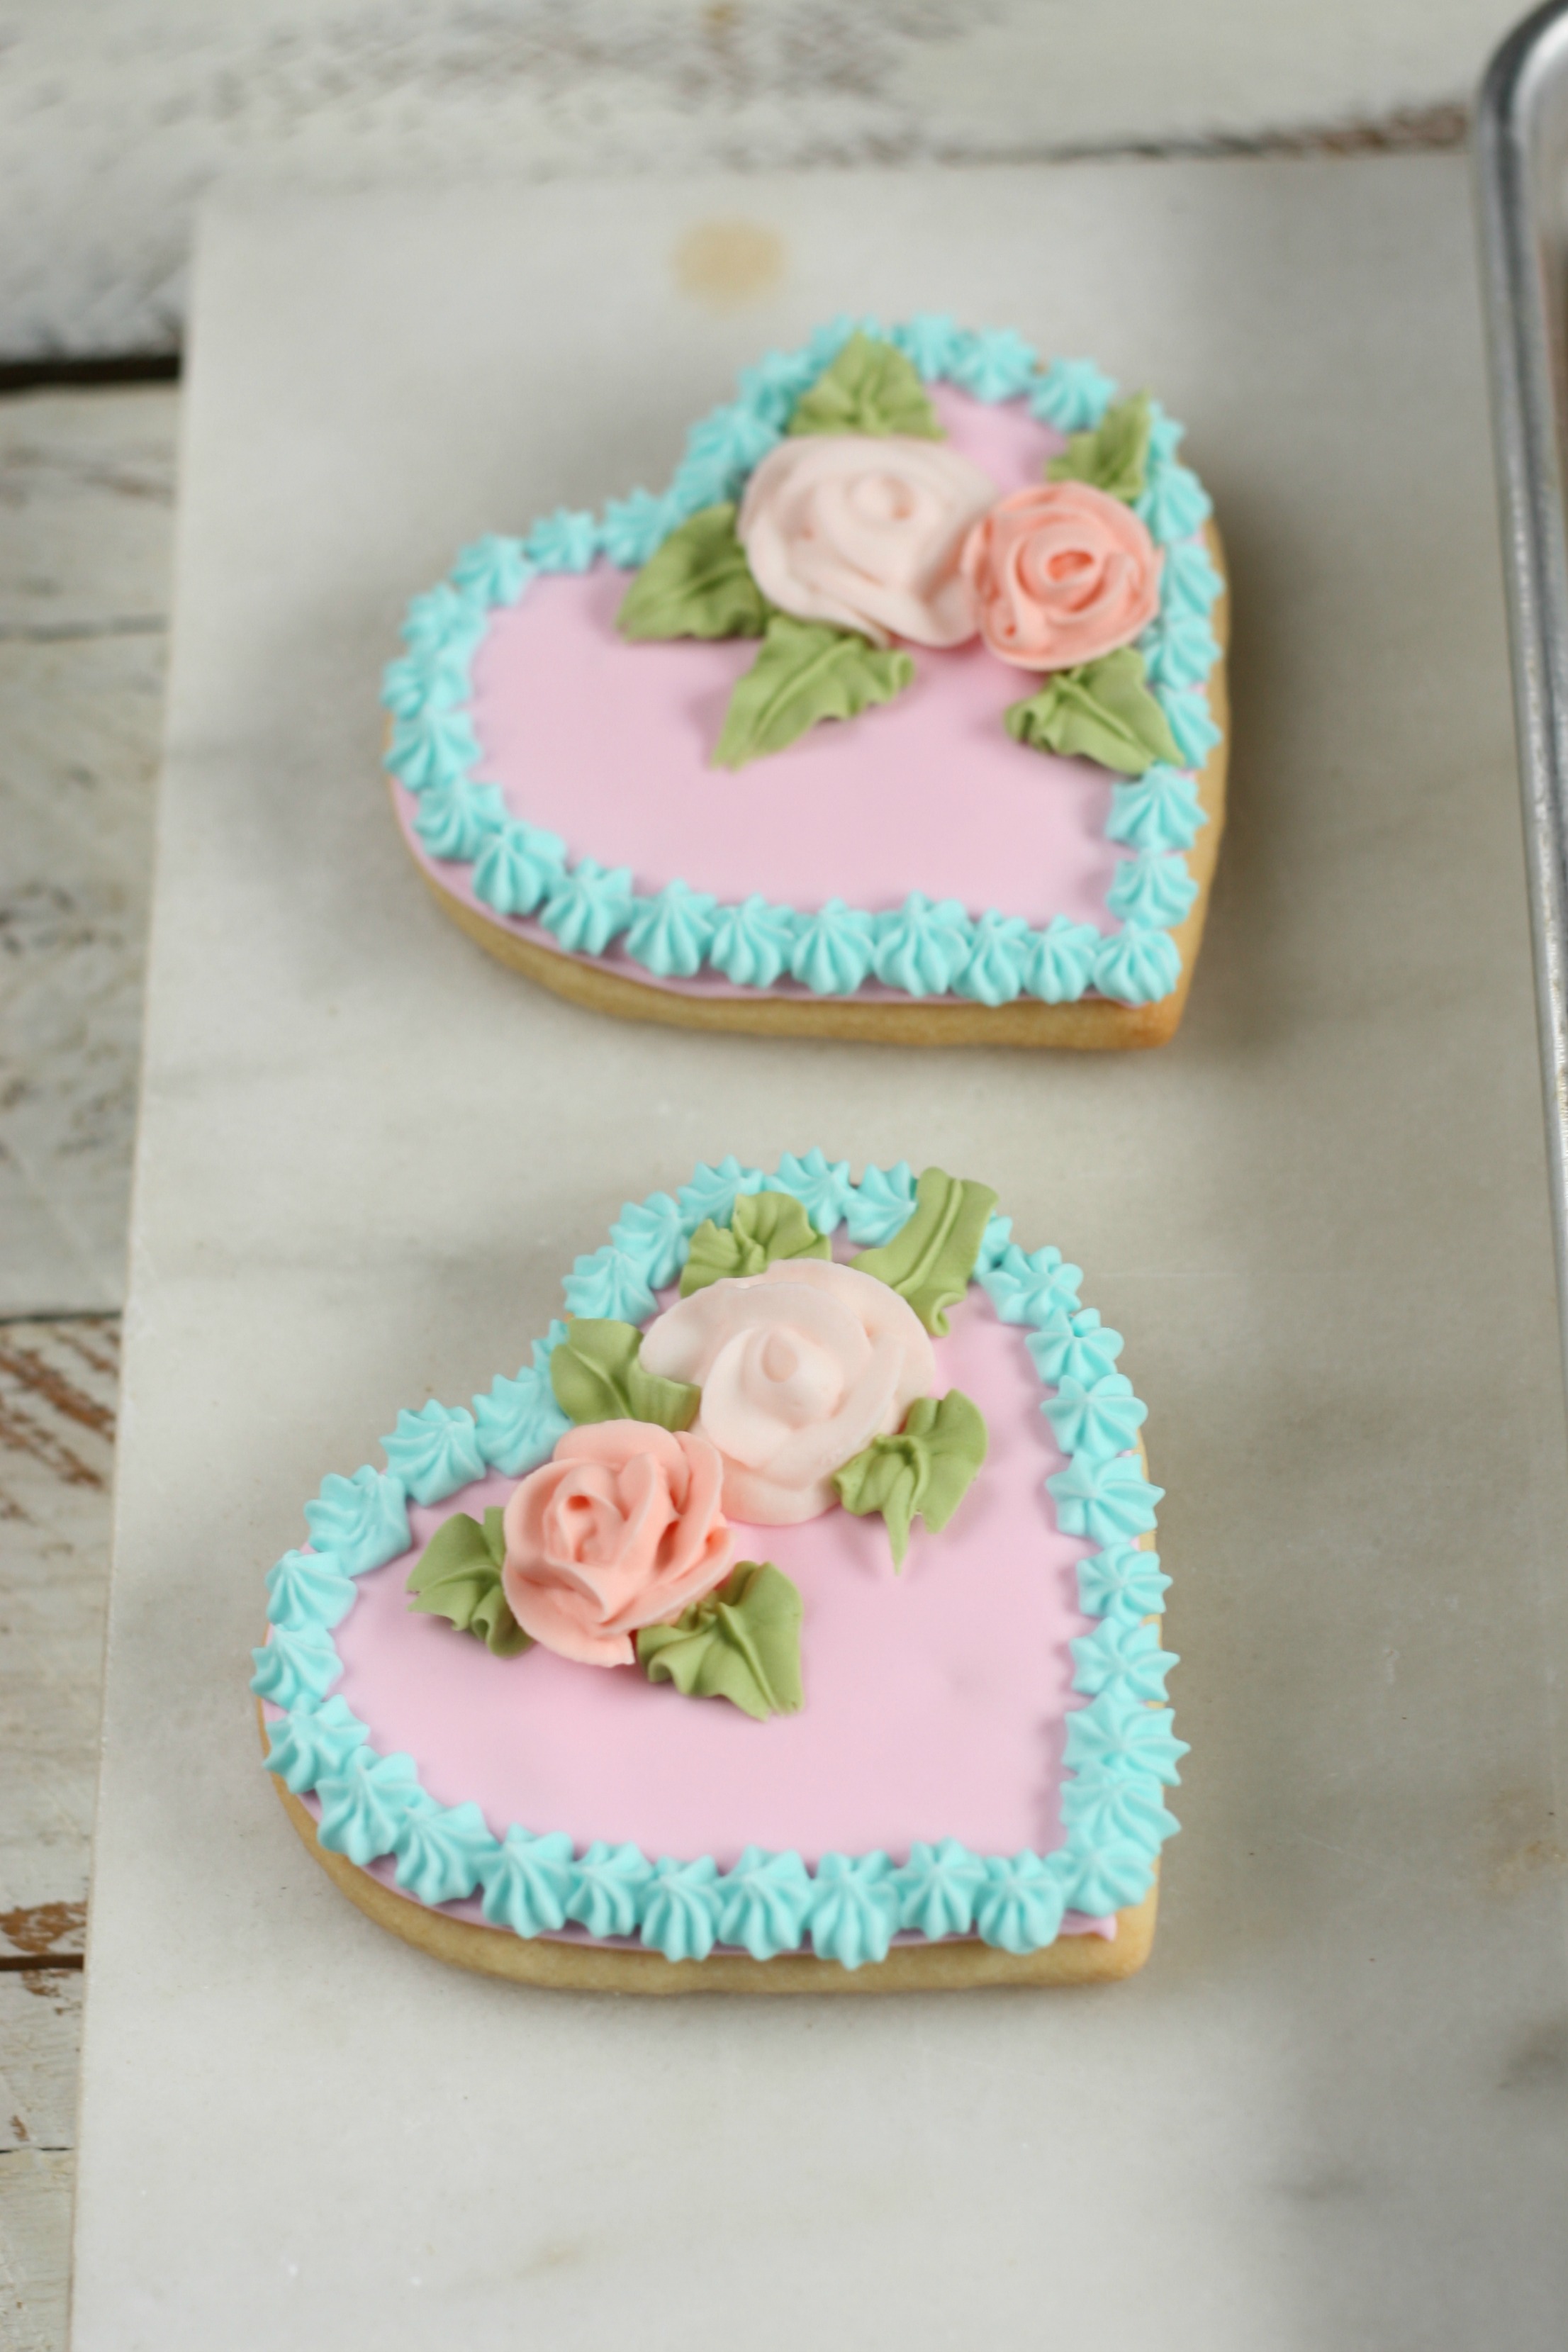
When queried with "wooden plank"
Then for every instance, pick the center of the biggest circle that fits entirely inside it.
(40, 2045)
(58, 1384)
(34, 2248)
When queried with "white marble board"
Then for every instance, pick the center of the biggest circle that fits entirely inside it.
(1330, 2112)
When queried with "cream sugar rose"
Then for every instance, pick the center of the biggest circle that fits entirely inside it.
(900, 713)
(791, 1622)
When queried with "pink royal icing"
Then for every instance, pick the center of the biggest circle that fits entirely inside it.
(865, 533)
(799, 1368)
(1061, 573)
(621, 1528)
(935, 1700)
(608, 744)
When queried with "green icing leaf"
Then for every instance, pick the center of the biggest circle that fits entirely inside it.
(596, 1373)
(457, 1576)
(871, 387)
(697, 584)
(765, 1225)
(1114, 457)
(931, 1261)
(805, 671)
(922, 1473)
(741, 1643)
(1101, 710)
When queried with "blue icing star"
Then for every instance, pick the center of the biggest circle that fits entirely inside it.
(1116, 1808)
(519, 1424)
(590, 906)
(457, 820)
(1138, 965)
(1110, 1876)
(764, 1903)
(681, 1910)
(855, 1908)
(607, 1889)
(566, 540)
(1125, 1581)
(1100, 1417)
(365, 1804)
(1165, 436)
(307, 1588)
(881, 1205)
(995, 365)
(443, 1853)
(753, 943)
(1074, 1347)
(1060, 959)
(995, 1243)
(527, 1883)
(1173, 505)
(825, 1192)
(832, 950)
(1187, 709)
(443, 622)
(420, 683)
(519, 866)
(1120, 1657)
(1118, 1735)
(670, 934)
(313, 1745)
(1151, 885)
(635, 528)
(1180, 649)
(731, 440)
(435, 1450)
(938, 1888)
(921, 947)
(362, 1520)
(776, 382)
(932, 341)
(1073, 395)
(1029, 1289)
(653, 1233)
(1020, 1907)
(1189, 579)
(1158, 810)
(296, 1666)
(712, 1191)
(494, 569)
(1105, 1498)
(608, 1284)
(998, 960)
(435, 746)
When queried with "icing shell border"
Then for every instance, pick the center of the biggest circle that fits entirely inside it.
(519, 870)
(1121, 1754)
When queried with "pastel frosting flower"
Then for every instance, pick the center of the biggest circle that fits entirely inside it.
(622, 1528)
(865, 532)
(799, 1368)
(1061, 573)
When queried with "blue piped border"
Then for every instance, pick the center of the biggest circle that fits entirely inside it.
(922, 948)
(1120, 1751)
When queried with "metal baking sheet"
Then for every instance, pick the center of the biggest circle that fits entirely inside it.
(1521, 177)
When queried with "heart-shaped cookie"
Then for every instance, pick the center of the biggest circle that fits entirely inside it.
(900, 713)
(788, 1623)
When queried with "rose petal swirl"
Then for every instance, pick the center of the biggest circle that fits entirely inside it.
(622, 1528)
(1061, 573)
(865, 532)
(800, 1368)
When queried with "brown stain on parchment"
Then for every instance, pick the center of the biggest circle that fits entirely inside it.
(725, 265)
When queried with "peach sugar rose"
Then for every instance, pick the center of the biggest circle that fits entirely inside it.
(622, 1528)
(865, 532)
(1061, 573)
(800, 1368)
